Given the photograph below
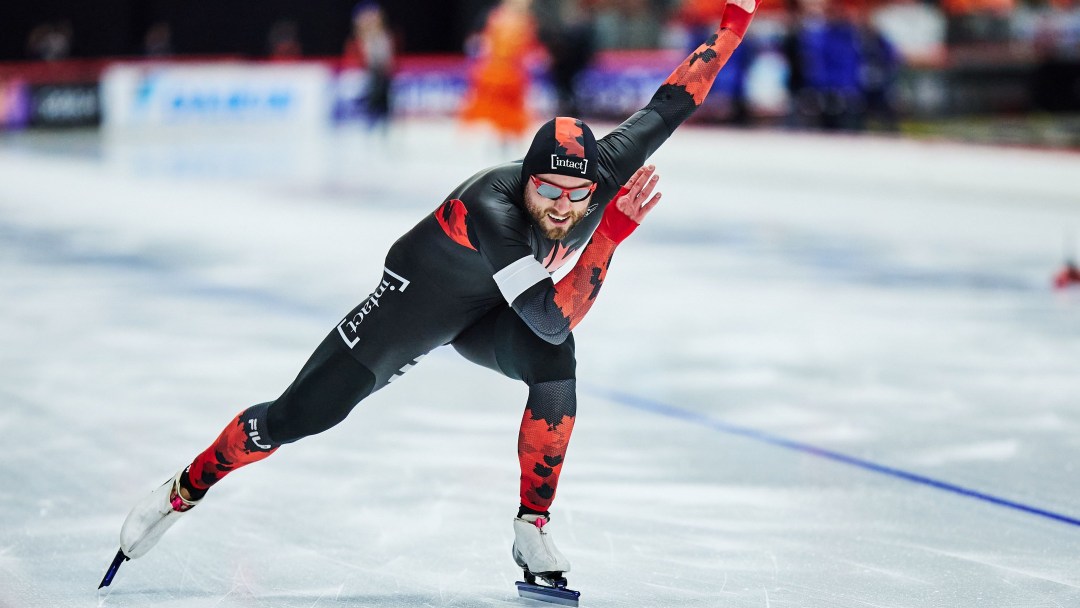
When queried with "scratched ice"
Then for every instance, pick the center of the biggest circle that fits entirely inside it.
(805, 337)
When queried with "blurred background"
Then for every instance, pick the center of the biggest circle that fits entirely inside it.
(1001, 71)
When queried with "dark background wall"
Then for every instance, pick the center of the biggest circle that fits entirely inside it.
(107, 28)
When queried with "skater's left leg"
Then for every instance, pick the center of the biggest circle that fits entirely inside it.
(545, 434)
(501, 341)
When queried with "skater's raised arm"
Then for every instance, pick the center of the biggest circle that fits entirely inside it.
(628, 146)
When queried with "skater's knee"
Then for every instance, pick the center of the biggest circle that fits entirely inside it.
(534, 360)
(548, 363)
(256, 425)
(503, 342)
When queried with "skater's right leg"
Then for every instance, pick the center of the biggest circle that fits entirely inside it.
(330, 384)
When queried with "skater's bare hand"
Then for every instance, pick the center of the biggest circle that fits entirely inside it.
(636, 203)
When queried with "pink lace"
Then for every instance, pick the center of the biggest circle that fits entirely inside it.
(540, 522)
(177, 502)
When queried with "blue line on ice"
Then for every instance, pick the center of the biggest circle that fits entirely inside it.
(670, 411)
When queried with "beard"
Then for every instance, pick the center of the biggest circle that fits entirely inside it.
(554, 232)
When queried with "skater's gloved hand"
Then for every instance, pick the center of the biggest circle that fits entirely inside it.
(631, 205)
(737, 16)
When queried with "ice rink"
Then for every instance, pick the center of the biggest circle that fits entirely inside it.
(826, 372)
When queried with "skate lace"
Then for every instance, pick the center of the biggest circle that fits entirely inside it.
(177, 502)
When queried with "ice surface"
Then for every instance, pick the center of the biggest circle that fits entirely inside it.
(885, 300)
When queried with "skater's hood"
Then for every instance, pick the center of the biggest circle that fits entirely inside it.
(565, 146)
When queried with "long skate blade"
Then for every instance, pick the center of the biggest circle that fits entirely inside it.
(552, 595)
(119, 559)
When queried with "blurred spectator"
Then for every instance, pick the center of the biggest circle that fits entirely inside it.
(1056, 31)
(915, 28)
(791, 49)
(842, 70)
(822, 48)
(50, 41)
(158, 40)
(879, 69)
(283, 41)
(370, 48)
(628, 24)
(978, 21)
(567, 33)
(1056, 79)
(499, 79)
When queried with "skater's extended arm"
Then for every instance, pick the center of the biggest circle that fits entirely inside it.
(552, 310)
(628, 146)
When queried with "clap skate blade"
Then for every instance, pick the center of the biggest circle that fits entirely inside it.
(111, 572)
(547, 587)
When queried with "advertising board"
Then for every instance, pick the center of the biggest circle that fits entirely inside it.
(64, 105)
(217, 94)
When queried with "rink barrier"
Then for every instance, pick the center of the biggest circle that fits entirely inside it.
(126, 93)
(670, 411)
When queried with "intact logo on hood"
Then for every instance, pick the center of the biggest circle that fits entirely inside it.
(564, 146)
(562, 162)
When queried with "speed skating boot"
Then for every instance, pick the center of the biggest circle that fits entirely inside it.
(152, 516)
(534, 549)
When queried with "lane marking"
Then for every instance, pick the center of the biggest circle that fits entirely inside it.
(670, 411)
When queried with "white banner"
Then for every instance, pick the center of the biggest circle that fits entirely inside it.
(217, 94)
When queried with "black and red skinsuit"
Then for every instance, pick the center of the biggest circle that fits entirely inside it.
(475, 274)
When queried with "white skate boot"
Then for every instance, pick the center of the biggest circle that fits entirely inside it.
(536, 553)
(147, 521)
(534, 549)
(152, 516)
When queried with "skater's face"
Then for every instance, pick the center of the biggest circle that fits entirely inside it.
(549, 199)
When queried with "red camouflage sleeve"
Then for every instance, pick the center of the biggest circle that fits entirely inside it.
(576, 292)
(629, 145)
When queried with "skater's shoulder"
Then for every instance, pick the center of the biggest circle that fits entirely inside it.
(496, 190)
(499, 181)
